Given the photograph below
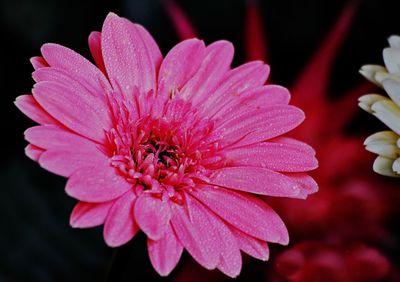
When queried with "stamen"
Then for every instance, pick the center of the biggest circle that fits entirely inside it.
(163, 155)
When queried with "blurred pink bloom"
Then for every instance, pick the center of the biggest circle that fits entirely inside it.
(352, 205)
(315, 261)
(172, 146)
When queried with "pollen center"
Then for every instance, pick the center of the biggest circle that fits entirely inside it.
(163, 154)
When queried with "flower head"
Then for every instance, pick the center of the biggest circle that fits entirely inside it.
(172, 146)
(387, 109)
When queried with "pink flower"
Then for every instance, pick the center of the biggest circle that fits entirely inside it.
(172, 146)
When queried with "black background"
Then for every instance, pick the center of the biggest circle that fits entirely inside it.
(36, 241)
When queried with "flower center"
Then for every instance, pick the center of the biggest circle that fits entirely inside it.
(162, 155)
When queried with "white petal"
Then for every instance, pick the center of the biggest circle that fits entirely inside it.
(394, 41)
(384, 150)
(370, 71)
(389, 113)
(382, 136)
(396, 166)
(365, 102)
(383, 166)
(391, 57)
(392, 87)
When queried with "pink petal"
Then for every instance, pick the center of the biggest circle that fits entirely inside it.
(73, 82)
(129, 58)
(195, 231)
(77, 111)
(181, 22)
(66, 151)
(78, 68)
(86, 215)
(120, 225)
(175, 70)
(307, 149)
(238, 80)
(28, 105)
(33, 152)
(96, 184)
(230, 261)
(65, 163)
(216, 63)
(271, 95)
(260, 97)
(274, 156)
(254, 34)
(230, 258)
(252, 246)
(38, 62)
(306, 182)
(165, 253)
(255, 125)
(82, 92)
(152, 215)
(244, 212)
(95, 49)
(57, 138)
(151, 45)
(256, 180)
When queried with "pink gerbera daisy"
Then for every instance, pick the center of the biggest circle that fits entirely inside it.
(172, 146)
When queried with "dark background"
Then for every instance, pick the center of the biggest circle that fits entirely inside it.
(36, 241)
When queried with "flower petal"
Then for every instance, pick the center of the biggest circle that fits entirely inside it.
(96, 184)
(120, 225)
(216, 63)
(230, 261)
(306, 183)
(152, 47)
(392, 87)
(152, 215)
(256, 180)
(83, 93)
(370, 72)
(65, 151)
(254, 125)
(250, 245)
(175, 70)
(86, 215)
(394, 41)
(260, 97)
(195, 231)
(77, 67)
(384, 166)
(80, 113)
(38, 62)
(273, 155)
(165, 253)
(366, 102)
(95, 49)
(244, 212)
(57, 138)
(391, 57)
(389, 113)
(33, 152)
(31, 108)
(236, 81)
(129, 58)
(230, 258)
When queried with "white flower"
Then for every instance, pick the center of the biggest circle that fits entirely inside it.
(385, 144)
